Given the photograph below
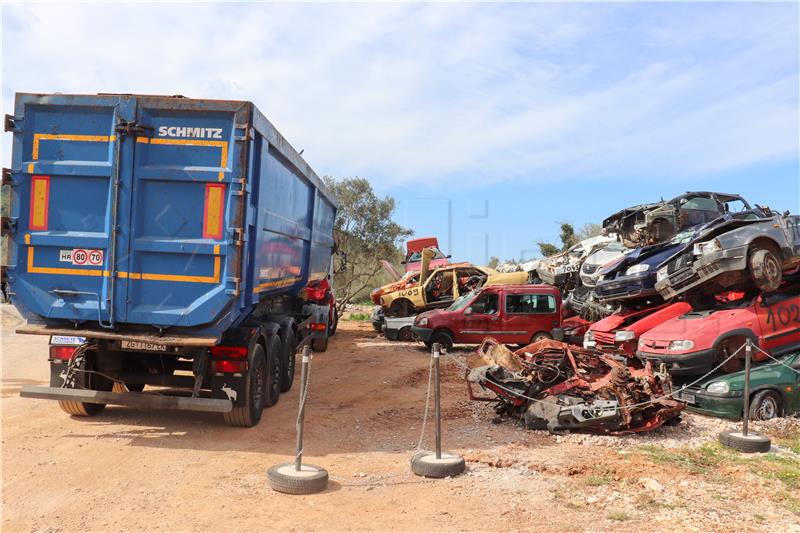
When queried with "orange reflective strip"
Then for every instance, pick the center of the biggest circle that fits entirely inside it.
(38, 137)
(65, 271)
(213, 210)
(30, 168)
(40, 200)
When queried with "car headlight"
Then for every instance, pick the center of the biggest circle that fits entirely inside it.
(702, 248)
(635, 269)
(662, 274)
(680, 346)
(718, 387)
(588, 340)
(423, 321)
(624, 335)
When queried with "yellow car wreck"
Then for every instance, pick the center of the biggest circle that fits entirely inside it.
(439, 287)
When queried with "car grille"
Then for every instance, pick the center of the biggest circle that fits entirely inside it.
(604, 338)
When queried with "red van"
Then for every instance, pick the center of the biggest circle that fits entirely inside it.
(512, 314)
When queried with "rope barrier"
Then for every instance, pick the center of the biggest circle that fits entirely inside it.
(427, 403)
(779, 361)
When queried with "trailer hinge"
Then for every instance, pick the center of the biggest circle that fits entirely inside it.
(233, 291)
(7, 179)
(238, 236)
(133, 128)
(246, 133)
(10, 124)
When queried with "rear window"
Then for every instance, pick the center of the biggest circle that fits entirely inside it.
(530, 303)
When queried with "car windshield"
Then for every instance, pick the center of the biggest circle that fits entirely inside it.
(462, 301)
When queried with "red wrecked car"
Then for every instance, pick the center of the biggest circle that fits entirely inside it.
(621, 331)
(552, 385)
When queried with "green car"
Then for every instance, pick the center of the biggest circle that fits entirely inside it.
(773, 391)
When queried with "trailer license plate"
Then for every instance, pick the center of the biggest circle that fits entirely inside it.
(143, 346)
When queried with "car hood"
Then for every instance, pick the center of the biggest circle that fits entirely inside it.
(686, 326)
(760, 374)
(429, 314)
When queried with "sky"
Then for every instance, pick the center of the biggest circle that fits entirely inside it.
(488, 123)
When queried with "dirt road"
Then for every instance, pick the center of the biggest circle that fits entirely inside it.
(170, 471)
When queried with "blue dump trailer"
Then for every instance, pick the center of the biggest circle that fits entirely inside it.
(165, 242)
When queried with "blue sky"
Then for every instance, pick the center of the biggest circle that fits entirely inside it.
(489, 123)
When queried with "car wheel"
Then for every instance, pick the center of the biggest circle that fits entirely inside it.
(405, 334)
(540, 336)
(444, 339)
(765, 269)
(765, 405)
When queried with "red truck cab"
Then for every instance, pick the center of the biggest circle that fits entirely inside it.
(695, 342)
(512, 314)
(414, 249)
(621, 331)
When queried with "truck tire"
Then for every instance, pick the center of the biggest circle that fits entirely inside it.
(93, 382)
(288, 360)
(766, 405)
(752, 443)
(320, 341)
(334, 322)
(444, 339)
(274, 371)
(249, 414)
(127, 387)
(765, 269)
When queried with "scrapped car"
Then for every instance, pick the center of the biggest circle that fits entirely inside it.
(409, 279)
(620, 332)
(774, 391)
(442, 286)
(584, 301)
(398, 329)
(414, 250)
(590, 268)
(572, 330)
(651, 223)
(633, 275)
(562, 269)
(513, 314)
(552, 385)
(377, 318)
(753, 251)
(697, 341)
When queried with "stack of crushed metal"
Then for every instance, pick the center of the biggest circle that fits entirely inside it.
(556, 386)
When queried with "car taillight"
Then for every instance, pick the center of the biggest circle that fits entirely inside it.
(63, 353)
(236, 352)
(318, 326)
(229, 366)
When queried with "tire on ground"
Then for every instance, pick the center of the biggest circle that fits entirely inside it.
(766, 405)
(288, 359)
(765, 268)
(249, 414)
(752, 443)
(425, 464)
(443, 338)
(314, 481)
(273, 383)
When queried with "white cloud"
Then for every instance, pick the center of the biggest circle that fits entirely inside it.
(431, 94)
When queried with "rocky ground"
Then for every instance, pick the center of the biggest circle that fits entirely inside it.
(134, 470)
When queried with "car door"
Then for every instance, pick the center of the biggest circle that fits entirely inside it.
(779, 320)
(482, 319)
(527, 314)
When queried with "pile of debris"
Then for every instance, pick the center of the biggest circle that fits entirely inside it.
(556, 386)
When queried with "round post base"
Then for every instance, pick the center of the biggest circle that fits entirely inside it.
(427, 465)
(750, 443)
(308, 480)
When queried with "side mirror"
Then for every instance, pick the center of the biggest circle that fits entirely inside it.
(468, 311)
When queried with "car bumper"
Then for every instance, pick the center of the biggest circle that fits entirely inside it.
(703, 269)
(626, 287)
(423, 334)
(727, 405)
(690, 364)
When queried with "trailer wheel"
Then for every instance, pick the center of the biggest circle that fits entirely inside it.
(320, 344)
(274, 371)
(288, 359)
(85, 361)
(127, 387)
(249, 414)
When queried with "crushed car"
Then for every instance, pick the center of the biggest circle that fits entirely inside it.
(748, 251)
(562, 269)
(656, 222)
(555, 386)
(414, 250)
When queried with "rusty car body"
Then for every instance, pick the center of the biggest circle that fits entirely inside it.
(562, 269)
(559, 387)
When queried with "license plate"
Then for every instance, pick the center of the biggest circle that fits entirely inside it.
(688, 397)
(143, 346)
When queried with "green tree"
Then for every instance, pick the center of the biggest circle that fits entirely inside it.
(590, 229)
(493, 262)
(365, 233)
(547, 249)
